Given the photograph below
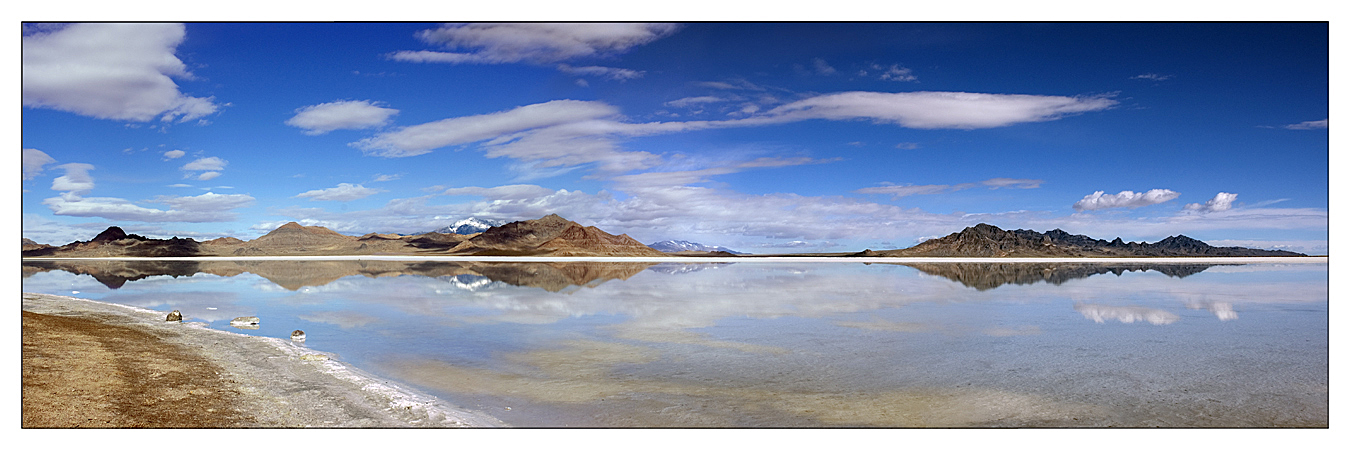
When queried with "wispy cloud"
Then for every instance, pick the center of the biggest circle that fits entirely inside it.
(211, 163)
(341, 115)
(1151, 76)
(897, 191)
(117, 71)
(821, 67)
(936, 110)
(692, 101)
(895, 73)
(537, 43)
(76, 180)
(33, 160)
(1309, 125)
(612, 73)
(173, 154)
(1125, 199)
(208, 207)
(344, 192)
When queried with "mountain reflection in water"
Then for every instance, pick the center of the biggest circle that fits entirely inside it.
(294, 275)
(985, 276)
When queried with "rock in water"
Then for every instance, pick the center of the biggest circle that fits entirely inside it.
(298, 336)
(247, 323)
(174, 316)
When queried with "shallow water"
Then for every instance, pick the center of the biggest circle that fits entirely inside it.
(785, 343)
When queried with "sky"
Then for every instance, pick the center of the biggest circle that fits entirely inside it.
(760, 137)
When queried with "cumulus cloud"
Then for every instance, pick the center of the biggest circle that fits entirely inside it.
(612, 73)
(33, 160)
(173, 154)
(933, 110)
(1125, 199)
(344, 192)
(208, 207)
(118, 71)
(537, 43)
(211, 163)
(1309, 125)
(341, 115)
(76, 180)
(1221, 202)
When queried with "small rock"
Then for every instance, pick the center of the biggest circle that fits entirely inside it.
(313, 357)
(174, 316)
(298, 336)
(246, 323)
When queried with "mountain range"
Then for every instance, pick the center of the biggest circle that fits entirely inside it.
(553, 235)
(986, 240)
(470, 226)
(686, 246)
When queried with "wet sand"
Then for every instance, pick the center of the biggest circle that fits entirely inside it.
(89, 364)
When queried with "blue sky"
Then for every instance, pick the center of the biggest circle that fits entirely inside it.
(758, 137)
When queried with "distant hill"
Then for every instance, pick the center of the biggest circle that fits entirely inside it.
(986, 240)
(686, 246)
(551, 235)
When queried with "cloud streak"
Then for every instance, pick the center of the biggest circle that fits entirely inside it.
(344, 192)
(536, 43)
(33, 161)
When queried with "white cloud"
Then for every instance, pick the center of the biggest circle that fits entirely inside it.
(1221, 202)
(211, 163)
(383, 177)
(821, 67)
(341, 115)
(538, 43)
(1151, 76)
(33, 160)
(421, 139)
(1125, 199)
(1012, 183)
(611, 73)
(76, 180)
(179, 185)
(733, 85)
(907, 145)
(582, 82)
(932, 110)
(1309, 125)
(173, 154)
(895, 73)
(118, 71)
(897, 191)
(208, 175)
(691, 101)
(208, 207)
(344, 192)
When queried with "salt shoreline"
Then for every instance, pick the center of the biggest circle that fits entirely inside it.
(287, 385)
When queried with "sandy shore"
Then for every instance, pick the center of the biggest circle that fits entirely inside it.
(93, 364)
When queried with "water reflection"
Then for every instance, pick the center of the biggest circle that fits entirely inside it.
(985, 276)
(295, 275)
(785, 344)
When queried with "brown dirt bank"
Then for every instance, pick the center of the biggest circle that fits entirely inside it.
(90, 364)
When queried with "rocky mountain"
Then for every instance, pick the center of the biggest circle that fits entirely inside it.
(551, 235)
(686, 246)
(986, 240)
(113, 242)
(29, 244)
(470, 226)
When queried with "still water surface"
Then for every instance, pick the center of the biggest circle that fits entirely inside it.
(784, 343)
